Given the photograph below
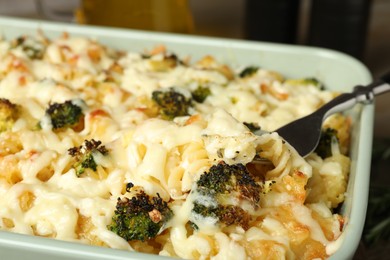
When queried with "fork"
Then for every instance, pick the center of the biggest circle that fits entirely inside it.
(304, 134)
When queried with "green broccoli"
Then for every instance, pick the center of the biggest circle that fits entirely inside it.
(65, 115)
(226, 193)
(33, 48)
(84, 155)
(8, 114)
(306, 82)
(200, 94)
(141, 217)
(324, 148)
(248, 71)
(171, 103)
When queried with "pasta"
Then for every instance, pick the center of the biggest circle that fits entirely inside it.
(137, 146)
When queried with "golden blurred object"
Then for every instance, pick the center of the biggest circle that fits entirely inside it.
(156, 15)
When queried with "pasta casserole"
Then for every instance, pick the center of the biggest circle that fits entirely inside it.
(152, 152)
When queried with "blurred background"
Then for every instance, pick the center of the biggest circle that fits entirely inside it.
(360, 28)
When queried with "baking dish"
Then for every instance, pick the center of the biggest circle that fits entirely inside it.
(336, 70)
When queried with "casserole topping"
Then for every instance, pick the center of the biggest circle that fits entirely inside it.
(151, 152)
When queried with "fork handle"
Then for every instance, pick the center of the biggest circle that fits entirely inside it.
(360, 94)
(376, 88)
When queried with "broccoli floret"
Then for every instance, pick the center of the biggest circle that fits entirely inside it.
(200, 94)
(64, 115)
(141, 217)
(8, 114)
(171, 103)
(324, 148)
(33, 48)
(226, 193)
(226, 214)
(84, 155)
(306, 82)
(248, 71)
(312, 81)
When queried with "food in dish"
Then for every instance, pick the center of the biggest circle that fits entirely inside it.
(96, 140)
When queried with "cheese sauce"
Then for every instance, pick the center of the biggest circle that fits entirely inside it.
(43, 192)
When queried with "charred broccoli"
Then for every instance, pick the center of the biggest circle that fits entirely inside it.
(200, 94)
(33, 48)
(171, 103)
(248, 71)
(324, 148)
(63, 115)
(141, 217)
(8, 114)
(226, 193)
(84, 155)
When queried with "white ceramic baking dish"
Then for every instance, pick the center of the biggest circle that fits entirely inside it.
(336, 70)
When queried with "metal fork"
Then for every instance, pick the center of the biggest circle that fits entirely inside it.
(304, 134)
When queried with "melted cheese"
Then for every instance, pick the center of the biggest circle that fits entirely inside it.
(41, 194)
